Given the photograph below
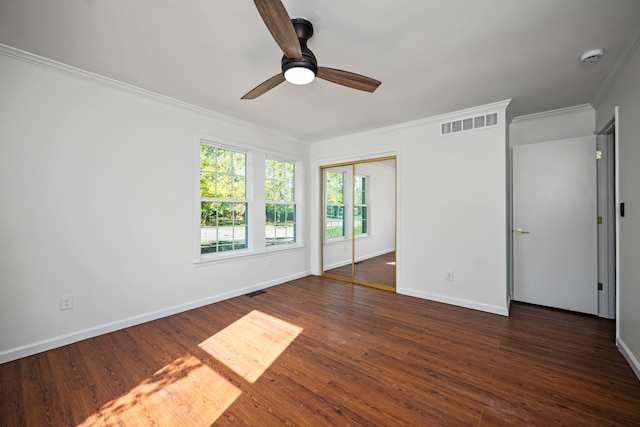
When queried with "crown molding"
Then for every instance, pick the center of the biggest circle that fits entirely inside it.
(628, 50)
(51, 64)
(429, 120)
(552, 113)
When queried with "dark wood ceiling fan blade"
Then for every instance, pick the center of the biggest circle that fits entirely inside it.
(348, 79)
(264, 87)
(277, 20)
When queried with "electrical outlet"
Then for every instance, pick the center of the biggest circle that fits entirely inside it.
(449, 276)
(66, 302)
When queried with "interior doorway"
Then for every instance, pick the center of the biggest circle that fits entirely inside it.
(358, 200)
(606, 167)
(554, 215)
(606, 230)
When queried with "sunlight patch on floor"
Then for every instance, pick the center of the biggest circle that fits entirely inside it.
(192, 392)
(184, 390)
(251, 344)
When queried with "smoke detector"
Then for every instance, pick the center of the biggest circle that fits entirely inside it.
(591, 55)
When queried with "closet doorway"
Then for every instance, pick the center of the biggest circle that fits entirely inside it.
(359, 222)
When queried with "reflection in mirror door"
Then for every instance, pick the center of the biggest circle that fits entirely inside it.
(359, 208)
(337, 253)
(374, 223)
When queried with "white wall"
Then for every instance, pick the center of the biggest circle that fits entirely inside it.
(97, 200)
(452, 206)
(625, 94)
(553, 125)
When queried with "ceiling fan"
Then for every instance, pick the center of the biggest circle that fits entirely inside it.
(299, 65)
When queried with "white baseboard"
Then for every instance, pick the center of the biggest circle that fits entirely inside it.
(494, 309)
(633, 362)
(59, 341)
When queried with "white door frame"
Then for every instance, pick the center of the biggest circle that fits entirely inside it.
(607, 225)
(612, 127)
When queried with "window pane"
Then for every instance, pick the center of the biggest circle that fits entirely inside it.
(208, 214)
(207, 158)
(288, 192)
(207, 184)
(334, 187)
(238, 191)
(270, 214)
(289, 170)
(291, 214)
(334, 222)
(239, 211)
(207, 246)
(239, 237)
(225, 162)
(359, 190)
(225, 247)
(222, 173)
(223, 226)
(280, 217)
(269, 169)
(223, 187)
(278, 170)
(279, 182)
(270, 190)
(360, 209)
(239, 164)
(208, 230)
(270, 225)
(280, 227)
(360, 220)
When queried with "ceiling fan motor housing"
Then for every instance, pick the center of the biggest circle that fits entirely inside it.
(304, 31)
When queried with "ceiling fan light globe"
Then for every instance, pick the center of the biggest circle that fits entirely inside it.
(299, 75)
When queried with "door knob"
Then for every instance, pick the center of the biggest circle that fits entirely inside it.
(521, 231)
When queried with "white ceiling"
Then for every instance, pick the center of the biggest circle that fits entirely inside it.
(432, 57)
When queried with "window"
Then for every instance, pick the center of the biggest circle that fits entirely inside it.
(230, 201)
(360, 207)
(280, 202)
(223, 202)
(334, 205)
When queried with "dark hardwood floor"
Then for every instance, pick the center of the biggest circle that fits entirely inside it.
(380, 270)
(322, 352)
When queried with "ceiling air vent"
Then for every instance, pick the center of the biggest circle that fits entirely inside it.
(470, 123)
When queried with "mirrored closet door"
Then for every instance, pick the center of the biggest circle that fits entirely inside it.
(359, 222)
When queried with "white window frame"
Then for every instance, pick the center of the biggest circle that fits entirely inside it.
(294, 202)
(366, 205)
(345, 206)
(255, 197)
(245, 201)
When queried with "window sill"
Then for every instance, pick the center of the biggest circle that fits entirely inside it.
(245, 255)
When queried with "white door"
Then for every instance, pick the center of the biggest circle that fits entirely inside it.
(555, 224)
